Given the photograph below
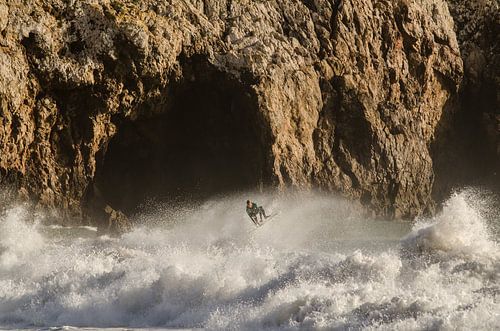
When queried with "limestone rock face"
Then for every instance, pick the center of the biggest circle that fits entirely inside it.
(101, 100)
(470, 135)
(478, 25)
(478, 30)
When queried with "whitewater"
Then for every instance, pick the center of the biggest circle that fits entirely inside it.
(321, 264)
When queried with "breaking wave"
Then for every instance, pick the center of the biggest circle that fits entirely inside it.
(320, 264)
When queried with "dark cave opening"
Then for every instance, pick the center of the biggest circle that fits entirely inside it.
(205, 141)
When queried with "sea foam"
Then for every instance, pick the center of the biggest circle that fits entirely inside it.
(319, 265)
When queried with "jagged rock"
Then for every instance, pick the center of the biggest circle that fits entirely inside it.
(478, 26)
(467, 147)
(117, 221)
(344, 96)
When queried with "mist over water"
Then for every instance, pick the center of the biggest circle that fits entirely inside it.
(320, 264)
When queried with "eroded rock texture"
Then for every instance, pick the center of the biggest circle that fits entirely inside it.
(467, 150)
(108, 102)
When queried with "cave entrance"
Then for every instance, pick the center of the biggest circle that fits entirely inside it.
(206, 141)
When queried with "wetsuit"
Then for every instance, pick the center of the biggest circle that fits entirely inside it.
(254, 211)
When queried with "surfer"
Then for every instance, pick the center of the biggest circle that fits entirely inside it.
(253, 210)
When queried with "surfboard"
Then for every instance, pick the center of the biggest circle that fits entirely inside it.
(267, 220)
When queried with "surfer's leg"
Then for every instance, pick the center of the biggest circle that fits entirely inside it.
(263, 212)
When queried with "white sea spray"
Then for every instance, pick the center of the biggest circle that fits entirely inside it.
(319, 265)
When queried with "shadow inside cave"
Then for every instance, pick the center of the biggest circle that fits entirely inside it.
(206, 140)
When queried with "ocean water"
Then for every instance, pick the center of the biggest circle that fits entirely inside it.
(321, 264)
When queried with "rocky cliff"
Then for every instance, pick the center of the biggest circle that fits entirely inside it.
(109, 102)
(467, 150)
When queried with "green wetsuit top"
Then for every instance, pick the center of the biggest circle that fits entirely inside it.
(253, 211)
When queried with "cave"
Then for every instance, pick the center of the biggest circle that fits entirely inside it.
(205, 140)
